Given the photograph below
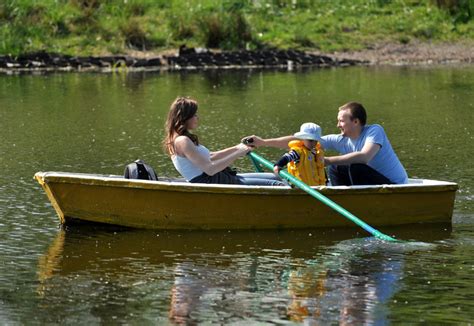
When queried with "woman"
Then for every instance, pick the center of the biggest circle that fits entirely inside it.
(194, 161)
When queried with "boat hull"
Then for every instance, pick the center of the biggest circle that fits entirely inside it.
(179, 205)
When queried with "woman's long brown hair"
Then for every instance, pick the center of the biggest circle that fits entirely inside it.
(181, 110)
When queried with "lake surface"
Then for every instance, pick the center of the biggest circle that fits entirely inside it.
(92, 122)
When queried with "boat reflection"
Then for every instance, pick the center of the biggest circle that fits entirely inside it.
(310, 276)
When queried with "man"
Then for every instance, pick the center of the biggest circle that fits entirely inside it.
(367, 157)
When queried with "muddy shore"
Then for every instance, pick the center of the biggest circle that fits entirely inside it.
(414, 54)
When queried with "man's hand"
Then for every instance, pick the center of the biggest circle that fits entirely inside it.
(253, 141)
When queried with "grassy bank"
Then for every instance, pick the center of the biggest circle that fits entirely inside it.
(98, 27)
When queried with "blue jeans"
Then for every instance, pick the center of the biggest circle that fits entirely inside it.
(355, 174)
(260, 179)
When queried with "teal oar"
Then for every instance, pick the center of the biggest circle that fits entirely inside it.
(257, 159)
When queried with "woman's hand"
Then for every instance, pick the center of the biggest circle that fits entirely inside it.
(243, 149)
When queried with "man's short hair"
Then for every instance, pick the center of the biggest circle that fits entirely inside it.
(357, 111)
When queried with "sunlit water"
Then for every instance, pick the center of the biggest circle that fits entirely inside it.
(100, 122)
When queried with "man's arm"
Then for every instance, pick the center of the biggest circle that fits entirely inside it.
(280, 142)
(364, 156)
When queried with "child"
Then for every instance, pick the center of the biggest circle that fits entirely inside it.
(306, 159)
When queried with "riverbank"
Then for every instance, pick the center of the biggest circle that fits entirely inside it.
(191, 58)
(383, 53)
(184, 59)
(413, 54)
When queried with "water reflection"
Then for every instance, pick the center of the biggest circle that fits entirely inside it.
(353, 281)
(99, 122)
(310, 276)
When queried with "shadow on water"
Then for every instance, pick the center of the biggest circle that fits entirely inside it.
(320, 275)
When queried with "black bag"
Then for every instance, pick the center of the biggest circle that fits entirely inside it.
(140, 170)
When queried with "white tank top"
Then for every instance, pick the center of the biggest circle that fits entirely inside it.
(185, 167)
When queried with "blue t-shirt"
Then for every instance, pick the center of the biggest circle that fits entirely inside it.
(385, 161)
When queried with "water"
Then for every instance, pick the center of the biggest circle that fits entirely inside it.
(100, 122)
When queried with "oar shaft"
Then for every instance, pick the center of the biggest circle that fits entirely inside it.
(325, 200)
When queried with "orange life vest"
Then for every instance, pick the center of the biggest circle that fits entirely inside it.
(310, 168)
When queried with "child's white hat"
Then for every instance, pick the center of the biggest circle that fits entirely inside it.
(309, 131)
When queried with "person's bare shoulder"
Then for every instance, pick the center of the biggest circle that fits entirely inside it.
(182, 145)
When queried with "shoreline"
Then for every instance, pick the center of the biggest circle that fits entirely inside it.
(414, 54)
(205, 59)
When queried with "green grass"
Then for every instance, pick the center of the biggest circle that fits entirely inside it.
(97, 27)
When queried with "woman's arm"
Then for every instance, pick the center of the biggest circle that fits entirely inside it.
(185, 147)
(223, 152)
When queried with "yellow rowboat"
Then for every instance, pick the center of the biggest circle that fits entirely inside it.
(175, 204)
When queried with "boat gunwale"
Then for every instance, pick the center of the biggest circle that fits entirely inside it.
(416, 185)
